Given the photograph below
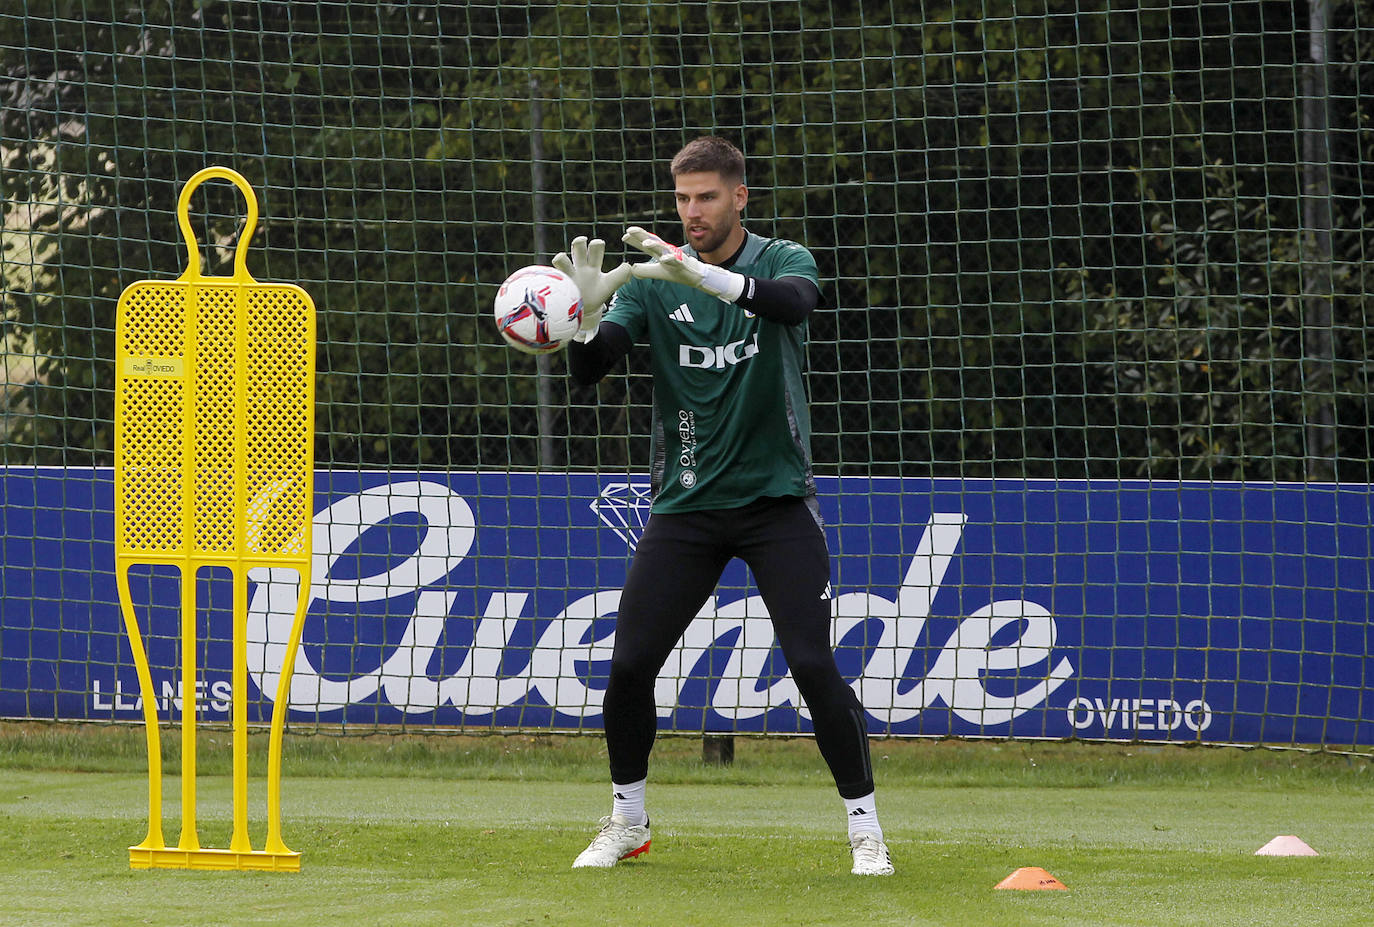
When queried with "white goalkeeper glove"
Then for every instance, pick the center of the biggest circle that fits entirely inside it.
(673, 264)
(584, 267)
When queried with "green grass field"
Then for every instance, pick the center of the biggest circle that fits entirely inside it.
(481, 830)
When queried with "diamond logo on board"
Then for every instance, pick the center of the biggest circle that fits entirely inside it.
(624, 508)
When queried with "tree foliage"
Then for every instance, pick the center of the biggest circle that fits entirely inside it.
(1055, 243)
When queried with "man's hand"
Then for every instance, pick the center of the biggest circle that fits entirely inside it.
(584, 267)
(674, 265)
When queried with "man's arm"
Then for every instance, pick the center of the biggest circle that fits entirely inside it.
(787, 300)
(591, 360)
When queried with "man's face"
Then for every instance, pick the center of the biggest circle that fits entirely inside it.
(710, 209)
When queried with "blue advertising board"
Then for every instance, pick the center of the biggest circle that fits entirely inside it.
(1096, 609)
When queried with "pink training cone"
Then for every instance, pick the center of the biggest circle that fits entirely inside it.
(1286, 846)
(1032, 879)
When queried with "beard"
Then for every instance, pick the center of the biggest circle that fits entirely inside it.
(714, 238)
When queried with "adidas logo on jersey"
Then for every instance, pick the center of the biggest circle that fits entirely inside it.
(682, 314)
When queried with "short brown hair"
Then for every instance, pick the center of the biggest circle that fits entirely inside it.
(710, 153)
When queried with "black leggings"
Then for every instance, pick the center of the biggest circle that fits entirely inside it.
(677, 564)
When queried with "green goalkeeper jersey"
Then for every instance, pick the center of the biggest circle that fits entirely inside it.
(730, 422)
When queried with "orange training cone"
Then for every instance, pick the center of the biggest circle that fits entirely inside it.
(1031, 879)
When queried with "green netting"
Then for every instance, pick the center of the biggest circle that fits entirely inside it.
(1057, 242)
(1054, 242)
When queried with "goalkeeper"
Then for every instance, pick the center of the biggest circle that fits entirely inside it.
(724, 318)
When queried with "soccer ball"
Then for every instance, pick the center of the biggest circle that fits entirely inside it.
(538, 309)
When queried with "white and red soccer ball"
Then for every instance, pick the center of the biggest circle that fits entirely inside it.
(538, 309)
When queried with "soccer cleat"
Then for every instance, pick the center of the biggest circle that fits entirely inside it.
(618, 839)
(870, 855)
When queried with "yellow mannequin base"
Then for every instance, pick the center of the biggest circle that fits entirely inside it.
(172, 858)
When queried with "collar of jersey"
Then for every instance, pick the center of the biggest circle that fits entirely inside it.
(751, 247)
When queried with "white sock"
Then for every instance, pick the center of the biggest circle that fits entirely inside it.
(863, 816)
(627, 800)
